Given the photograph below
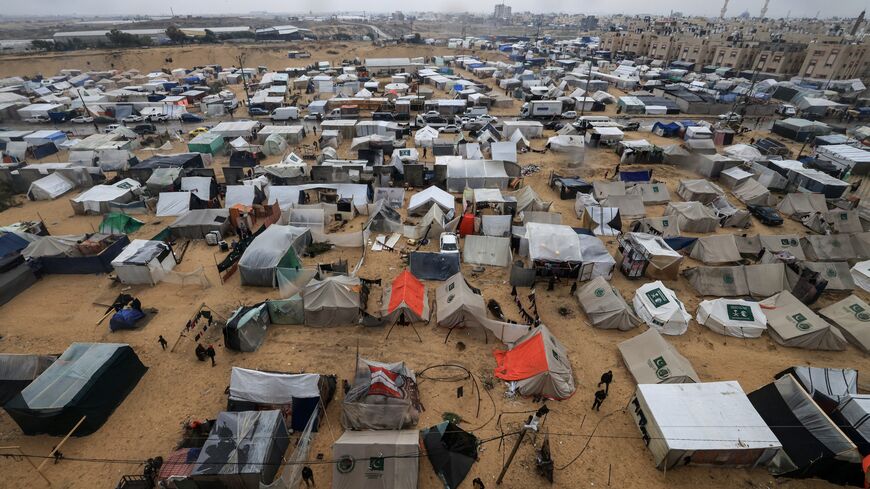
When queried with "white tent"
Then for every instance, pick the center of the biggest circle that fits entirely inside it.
(660, 308)
(49, 187)
(172, 203)
(861, 275)
(143, 262)
(732, 317)
(425, 136)
(504, 151)
(422, 201)
(239, 194)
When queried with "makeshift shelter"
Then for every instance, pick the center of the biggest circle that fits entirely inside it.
(650, 193)
(650, 255)
(852, 316)
(117, 223)
(386, 459)
(244, 450)
(724, 428)
(827, 386)
(657, 226)
(277, 246)
(170, 204)
(163, 180)
(17, 371)
(660, 308)
(605, 307)
(716, 249)
(734, 177)
(199, 223)
(458, 304)
(604, 189)
(333, 301)
(652, 360)
(702, 191)
(422, 201)
(383, 396)
(451, 451)
(434, 266)
(830, 247)
(789, 243)
(793, 324)
(834, 222)
(732, 317)
(630, 206)
(96, 199)
(751, 192)
(812, 445)
(487, 250)
(462, 174)
(861, 275)
(300, 395)
(384, 219)
(405, 300)
(799, 205)
(144, 262)
(246, 328)
(50, 187)
(89, 380)
(761, 280)
(602, 221)
(693, 217)
(81, 254)
(538, 365)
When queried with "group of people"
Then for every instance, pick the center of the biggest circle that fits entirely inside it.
(601, 394)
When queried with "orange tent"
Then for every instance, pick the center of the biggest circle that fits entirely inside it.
(538, 364)
(407, 298)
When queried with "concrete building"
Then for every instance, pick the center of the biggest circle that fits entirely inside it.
(501, 12)
(836, 61)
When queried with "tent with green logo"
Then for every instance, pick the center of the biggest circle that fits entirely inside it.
(652, 360)
(732, 317)
(117, 223)
(791, 323)
(852, 316)
(605, 306)
(660, 308)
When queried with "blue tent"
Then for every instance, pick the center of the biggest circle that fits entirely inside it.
(11, 244)
(636, 176)
(667, 130)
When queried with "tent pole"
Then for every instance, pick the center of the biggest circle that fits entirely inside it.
(21, 454)
(57, 447)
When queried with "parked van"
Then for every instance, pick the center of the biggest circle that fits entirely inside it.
(285, 114)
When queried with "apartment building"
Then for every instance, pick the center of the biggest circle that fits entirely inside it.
(836, 61)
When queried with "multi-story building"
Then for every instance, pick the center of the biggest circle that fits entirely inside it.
(836, 61)
(501, 12)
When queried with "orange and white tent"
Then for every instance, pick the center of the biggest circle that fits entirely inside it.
(407, 298)
(538, 364)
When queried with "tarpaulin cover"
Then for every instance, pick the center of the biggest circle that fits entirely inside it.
(794, 324)
(732, 317)
(852, 316)
(125, 319)
(451, 451)
(605, 306)
(636, 176)
(89, 380)
(246, 328)
(384, 396)
(271, 387)
(333, 301)
(17, 371)
(539, 364)
(660, 308)
(827, 386)
(275, 247)
(243, 450)
(182, 160)
(407, 297)
(434, 266)
(652, 360)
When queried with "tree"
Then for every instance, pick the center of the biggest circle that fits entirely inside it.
(176, 35)
(210, 37)
(118, 38)
(42, 44)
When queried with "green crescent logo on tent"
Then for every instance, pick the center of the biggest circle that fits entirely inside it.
(376, 464)
(832, 273)
(599, 292)
(835, 243)
(661, 368)
(728, 278)
(860, 313)
(801, 322)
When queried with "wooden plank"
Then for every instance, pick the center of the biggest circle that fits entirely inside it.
(57, 447)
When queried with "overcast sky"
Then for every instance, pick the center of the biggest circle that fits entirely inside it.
(778, 8)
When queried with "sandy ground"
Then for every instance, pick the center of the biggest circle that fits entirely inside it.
(59, 310)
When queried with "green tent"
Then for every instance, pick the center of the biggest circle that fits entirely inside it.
(117, 223)
(210, 143)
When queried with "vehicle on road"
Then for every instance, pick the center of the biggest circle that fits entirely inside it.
(730, 117)
(188, 117)
(132, 119)
(766, 214)
(111, 127)
(82, 119)
(285, 114)
(40, 119)
(196, 132)
(142, 129)
(157, 118)
(257, 111)
(571, 114)
(787, 110)
(449, 129)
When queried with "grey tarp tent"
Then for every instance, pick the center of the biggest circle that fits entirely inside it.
(830, 247)
(652, 360)
(195, 224)
(699, 190)
(244, 450)
(461, 306)
(277, 246)
(799, 205)
(837, 221)
(383, 396)
(650, 193)
(783, 242)
(603, 189)
(538, 365)
(852, 316)
(246, 328)
(630, 206)
(333, 301)
(751, 192)
(759, 281)
(664, 226)
(715, 249)
(487, 250)
(793, 324)
(605, 306)
(385, 459)
(693, 217)
(836, 273)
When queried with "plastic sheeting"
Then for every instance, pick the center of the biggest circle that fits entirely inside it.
(271, 387)
(50, 187)
(172, 204)
(268, 251)
(487, 250)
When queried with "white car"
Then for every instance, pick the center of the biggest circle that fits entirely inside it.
(449, 243)
(571, 114)
(82, 119)
(449, 129)
(38, 119)
(487, 118)
(730, 117)
(157, 118)
(133, 118)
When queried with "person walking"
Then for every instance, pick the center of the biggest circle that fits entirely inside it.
(606, 379)
(162, 342)
(209, 352)
(600, 396)
(477, 483)
(308, 476)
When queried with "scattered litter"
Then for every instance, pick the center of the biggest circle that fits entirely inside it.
(530, 170)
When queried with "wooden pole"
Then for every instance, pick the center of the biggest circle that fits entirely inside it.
(181, 335)
(510, 459)
(57, 447)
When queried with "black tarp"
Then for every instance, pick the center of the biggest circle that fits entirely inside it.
(243, 450)
(81, 265)
(434, 266)
(246, 328)
(243, 159)
(43, 150)
(852, 415)
(827, 386)
(181, 160)
(89, 380)
(15, 281)
(451, 451)
(812, 445)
